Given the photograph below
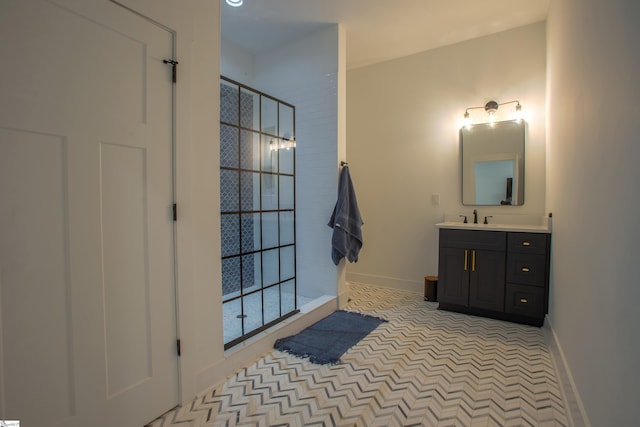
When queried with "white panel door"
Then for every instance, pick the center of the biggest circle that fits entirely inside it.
(87, 292)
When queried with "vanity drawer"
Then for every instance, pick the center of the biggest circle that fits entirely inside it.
(527, 269)
(524, 300)
(472, 239)
(528, 243)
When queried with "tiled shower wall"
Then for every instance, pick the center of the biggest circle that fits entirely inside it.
(305, 73)
(230, 224)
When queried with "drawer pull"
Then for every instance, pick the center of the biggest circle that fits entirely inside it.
(524, 300)
(525, 243)
(466, 259)
(525, 269)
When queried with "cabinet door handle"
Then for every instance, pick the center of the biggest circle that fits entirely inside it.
(524, 300)
(473, 260)
(466, 255)
(525, 269)
(525, 243)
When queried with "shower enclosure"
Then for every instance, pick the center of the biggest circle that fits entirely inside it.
(257, 208)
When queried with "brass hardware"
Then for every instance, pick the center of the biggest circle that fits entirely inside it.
(524, 300)
(466, 254)
(473, 260)
(525, 269)
(526, 244)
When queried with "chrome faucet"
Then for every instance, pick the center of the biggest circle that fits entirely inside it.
(475, 216)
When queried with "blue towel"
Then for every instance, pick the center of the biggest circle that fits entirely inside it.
(346, 222)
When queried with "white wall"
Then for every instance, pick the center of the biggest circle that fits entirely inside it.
(593, 177)
(403, 120)
(236, 63)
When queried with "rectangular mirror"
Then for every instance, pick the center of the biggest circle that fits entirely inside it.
(493, 163)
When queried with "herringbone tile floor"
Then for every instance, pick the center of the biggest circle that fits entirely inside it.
(423, 368)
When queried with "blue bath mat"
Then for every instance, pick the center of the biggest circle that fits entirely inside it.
(325, 341)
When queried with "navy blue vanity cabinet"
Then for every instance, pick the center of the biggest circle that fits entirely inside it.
(471, 269)
(498, 274)
(527, 291)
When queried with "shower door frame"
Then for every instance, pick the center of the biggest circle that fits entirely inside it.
(246, 334)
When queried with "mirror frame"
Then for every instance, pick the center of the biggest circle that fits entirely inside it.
(510, 148)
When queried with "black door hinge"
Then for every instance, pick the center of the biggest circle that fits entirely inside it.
(174, 66)
(175, 212)
(178, 347)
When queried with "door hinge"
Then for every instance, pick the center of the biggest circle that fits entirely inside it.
(178, 347)
(174, 68)
(175, 211)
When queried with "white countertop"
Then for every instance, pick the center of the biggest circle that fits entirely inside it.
(527, 228)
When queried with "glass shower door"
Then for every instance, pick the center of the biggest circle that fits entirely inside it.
(257, 203)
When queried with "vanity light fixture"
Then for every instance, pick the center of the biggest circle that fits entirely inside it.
(282, 144)
(491, 108)
(235, 3)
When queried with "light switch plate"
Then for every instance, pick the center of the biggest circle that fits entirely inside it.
(435, 199)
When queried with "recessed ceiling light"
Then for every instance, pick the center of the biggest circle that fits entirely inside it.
(235, 3)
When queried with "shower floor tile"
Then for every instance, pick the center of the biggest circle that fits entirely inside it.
(233, 315)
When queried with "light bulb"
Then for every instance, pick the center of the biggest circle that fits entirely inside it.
(235, 3)
(518, 113)
(466, 122)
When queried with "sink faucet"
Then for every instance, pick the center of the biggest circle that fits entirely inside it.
(475, 216)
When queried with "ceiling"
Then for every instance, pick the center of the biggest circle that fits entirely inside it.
(377, 30)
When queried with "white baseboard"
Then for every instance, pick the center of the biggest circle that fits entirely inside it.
(572, 400)
(387, 282)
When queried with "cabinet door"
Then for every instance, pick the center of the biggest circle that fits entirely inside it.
(453, 271)
(487, 280)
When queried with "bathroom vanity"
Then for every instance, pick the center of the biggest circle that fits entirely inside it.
(497, 271)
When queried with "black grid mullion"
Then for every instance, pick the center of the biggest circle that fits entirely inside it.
(278, 222)
(258, 250)
(261, 174)
(295, 256)
(260, 204)
(240, 256)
